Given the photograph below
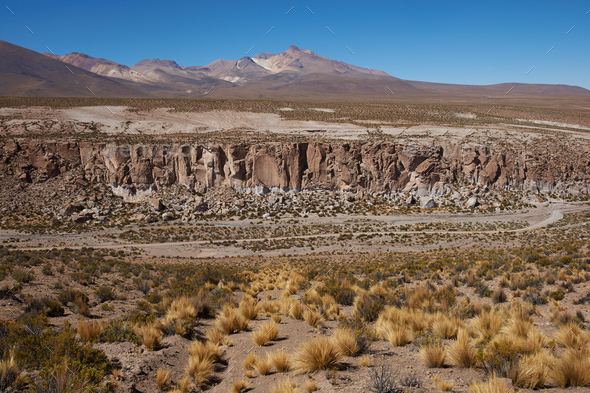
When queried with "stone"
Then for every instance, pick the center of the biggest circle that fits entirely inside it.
(71, 208)
(427, 203)
(156, 204)
(80, 218)
(410, 200)
(472, 202)
(168, 216)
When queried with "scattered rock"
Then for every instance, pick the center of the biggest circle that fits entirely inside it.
(427, 203)
(156, 204)
(168, 216)
(472, 202)
(71, 208)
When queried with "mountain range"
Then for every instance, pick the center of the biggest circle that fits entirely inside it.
(293, 74)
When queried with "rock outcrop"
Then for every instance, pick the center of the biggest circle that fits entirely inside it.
(349, 166)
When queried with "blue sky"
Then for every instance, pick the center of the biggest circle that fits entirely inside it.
(469, 42)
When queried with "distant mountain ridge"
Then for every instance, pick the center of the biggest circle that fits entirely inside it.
(293, 74)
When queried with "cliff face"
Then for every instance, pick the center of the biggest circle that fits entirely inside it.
(358, 165)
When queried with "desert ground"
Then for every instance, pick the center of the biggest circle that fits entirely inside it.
(293, 247)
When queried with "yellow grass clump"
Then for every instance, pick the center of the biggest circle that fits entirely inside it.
(432, 356)
(250, 361)
(230, 321)
(239, 386)
(492, 385)
(285, 386)
(396, 334)
(346, 342)
(572, 368)
(444, 386)
(162, 377)
(200, 370)
(309, 386)
(319, 353)
(89, 331)
(150, 336)
(205, 351)
(313, 318)
(462, 352)
(280, 361)
(263, 366)
(265, 333)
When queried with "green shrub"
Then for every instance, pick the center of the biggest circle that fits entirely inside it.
(105, 293)
(23, 276)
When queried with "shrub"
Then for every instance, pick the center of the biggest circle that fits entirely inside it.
(116, 331)
(500, 358)
(105, 293)
(23, 276)
(368, 307)
(319, 353)
(53, 308)
(499, 296)
(382, 380)
(341, 291)
(556, 295)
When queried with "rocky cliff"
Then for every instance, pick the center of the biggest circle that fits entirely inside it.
(350, 165)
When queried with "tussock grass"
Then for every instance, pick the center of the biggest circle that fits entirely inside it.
(571, 336)
(280, 361)
(250, 361)
(239, 386)
(397, 335)
(263, 366)
(462, 352)
(230, 321)
(572, 368)
(444, 386)
(365, 361)
(309, 386)
(319, 353)
(265, 333)
(533, 371)
(162, 377)
(346, 342)
(488, 324)
(444, 327)
(205, 350)
(199, 370)
(215, 335)
(313, 318)
(150, 336)
(432, 356)
(492, 385)
(285, 386)
(181, 308)
(89, 331)
(11, 378)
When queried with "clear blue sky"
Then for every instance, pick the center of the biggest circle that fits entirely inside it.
(470, 42)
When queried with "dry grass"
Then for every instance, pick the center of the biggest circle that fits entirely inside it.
(492, 385)
(444, 327)
(309, 386)
(215, 335)
(249, 309)
(533, 371)
(280, 361)
(276, 318)
(184, 384)
(11, 378)
(263, 366)
(319, 353)
(205, 351)
(265, 333)
(313, 318)
(286, 386)
(488, 324)
(432, 356)
(181, 308)
(230, 321)
(239, 386)
(250, 361)
(89, 331)
(150, 336)
(444, 386)
(572, 368)
(346, 342)
(200, 370)
(571, 336)
(365, 361)
(462, 352)
(162, 377)
(397, 335)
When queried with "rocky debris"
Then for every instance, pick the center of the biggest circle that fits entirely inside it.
(472, 202)
(80, 218)
(427, 203)
(410, 200)
(156, 204)
(71, 208)
(168, 216)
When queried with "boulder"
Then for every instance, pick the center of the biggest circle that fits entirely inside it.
(156, 204)
(427, 203)
(472, 202)
(71, 208)
(168, 216)
(80, 218)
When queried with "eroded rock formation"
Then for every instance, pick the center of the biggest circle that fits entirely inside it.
(350, 165)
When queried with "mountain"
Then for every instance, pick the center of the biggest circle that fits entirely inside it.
(24, 72)
(293, 74)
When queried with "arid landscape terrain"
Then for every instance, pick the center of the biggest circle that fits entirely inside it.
(153, 245)
(285, 222)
